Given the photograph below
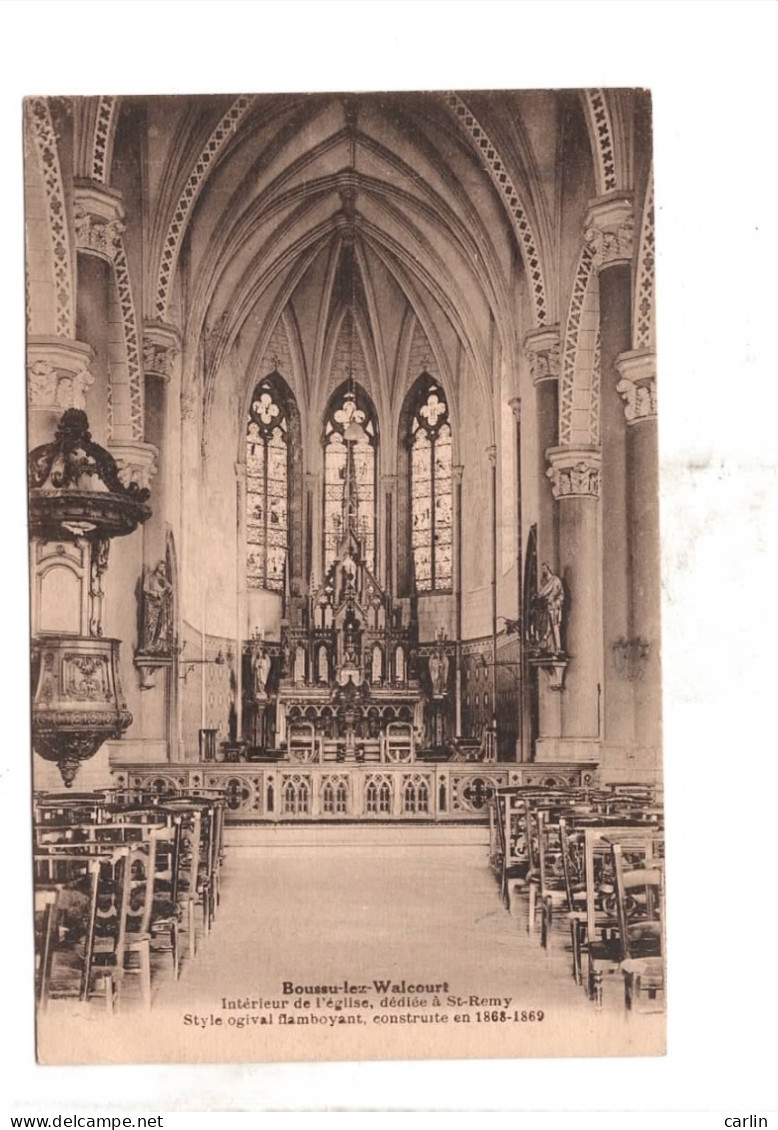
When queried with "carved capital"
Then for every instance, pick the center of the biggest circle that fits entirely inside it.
(542, 349)
(491, 455)
(574, 471)
(609, 230)
(515, 404)
(98, 216)
(637, 386)
(456, 472)
(161, 345)
(137, 462)
(58, 373)
(389, 482)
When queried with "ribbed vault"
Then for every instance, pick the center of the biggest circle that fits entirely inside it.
(392, 188)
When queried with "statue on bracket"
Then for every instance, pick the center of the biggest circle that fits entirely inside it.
(551, 595)
(544, 624)
(438, 667)
(157, 630)
(261, 665)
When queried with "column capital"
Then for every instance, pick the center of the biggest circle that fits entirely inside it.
(456, 472)
(389, 482)
(541, 346)
(58, 373)
(491, 454)
(515, 404)
(574, 472)
(609, 229)
(98, 218)
(161, 345)
(137, 462)
(637, 386)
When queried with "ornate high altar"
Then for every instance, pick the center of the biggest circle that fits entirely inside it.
(347, 681)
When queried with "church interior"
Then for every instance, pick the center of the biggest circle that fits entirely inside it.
(343, 499)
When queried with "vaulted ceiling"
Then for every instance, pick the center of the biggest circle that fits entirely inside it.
(419, 217)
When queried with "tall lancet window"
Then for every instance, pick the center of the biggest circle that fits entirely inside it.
(431, 506)
(267, 486)
(350, 449)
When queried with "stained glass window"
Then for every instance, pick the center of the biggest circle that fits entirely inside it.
(350, 447)
(431, 498)
(267, 487)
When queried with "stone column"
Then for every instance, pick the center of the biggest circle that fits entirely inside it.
(242, 630)
(638, 389)
(161, 351)
(312, 571)
(160, 700)
(522, 702)
(542, 348)
(102, 316)
(491, 455)
(389, 538)
(608, 233)
(575, 481)
(456, 472)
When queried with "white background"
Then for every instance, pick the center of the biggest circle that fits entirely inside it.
(712, 69)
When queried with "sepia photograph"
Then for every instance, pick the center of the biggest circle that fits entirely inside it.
(388, 699)
(344, 576)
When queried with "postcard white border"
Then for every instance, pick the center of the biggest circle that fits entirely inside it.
(711, 68)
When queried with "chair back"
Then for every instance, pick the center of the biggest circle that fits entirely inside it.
(639, 900)
(601, 900)
(148, 861)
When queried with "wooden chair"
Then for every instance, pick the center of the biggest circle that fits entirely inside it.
(515, 862)
(189, 890)
(602, 942)
(544, 880)
(82, 938)
(167, 907)
(212, 809)
(560, 885)
(203, 884)
(148, 863)
(571, 843)
(640, 908)
(46, 916)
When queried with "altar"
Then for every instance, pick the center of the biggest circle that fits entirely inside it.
(345, 683)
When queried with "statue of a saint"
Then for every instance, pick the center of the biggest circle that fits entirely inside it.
(350, 652)
(260, 669)
(551, 595)
(157, 635)
(438, 669)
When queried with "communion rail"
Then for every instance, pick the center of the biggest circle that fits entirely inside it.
(287, 792)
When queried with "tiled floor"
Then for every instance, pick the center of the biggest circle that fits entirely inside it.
(326, 912)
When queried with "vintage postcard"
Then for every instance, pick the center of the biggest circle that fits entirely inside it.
(344, 575)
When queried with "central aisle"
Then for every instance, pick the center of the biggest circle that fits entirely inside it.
(426, 917)
(320, 914)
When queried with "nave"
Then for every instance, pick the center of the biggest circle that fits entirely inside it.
(392, 911)
(343, 490)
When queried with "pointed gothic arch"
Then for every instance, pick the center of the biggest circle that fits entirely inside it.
(425, 490)
(350, 442)
(273, 444)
